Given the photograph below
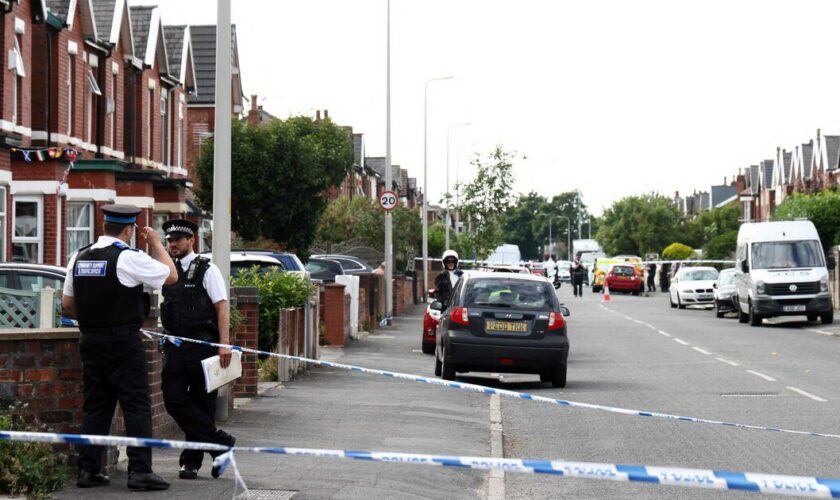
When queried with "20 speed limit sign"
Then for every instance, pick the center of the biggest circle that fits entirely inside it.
(388, 200)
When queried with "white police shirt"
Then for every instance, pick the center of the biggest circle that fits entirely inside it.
(213, 281)
(133, 268)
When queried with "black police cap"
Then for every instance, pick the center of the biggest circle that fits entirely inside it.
(176, 228)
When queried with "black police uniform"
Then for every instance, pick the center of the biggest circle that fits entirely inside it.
(110, 316)
(187, 311)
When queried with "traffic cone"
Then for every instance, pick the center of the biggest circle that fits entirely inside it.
(606, 297)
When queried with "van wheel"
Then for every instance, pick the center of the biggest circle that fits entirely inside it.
(755, 319)
(827, 318)
(559, 378)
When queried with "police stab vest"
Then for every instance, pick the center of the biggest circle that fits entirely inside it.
(102, 302)
(187, 310)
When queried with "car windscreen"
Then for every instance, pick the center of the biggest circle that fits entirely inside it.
(727, 278)
(623, 271)
(700, 275)
(507, 293)
(786, 254)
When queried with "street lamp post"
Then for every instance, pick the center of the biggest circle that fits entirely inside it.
(425, 177)
(448, 142)
(389, 258)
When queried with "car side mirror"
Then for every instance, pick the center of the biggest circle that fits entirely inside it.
(565, 311)
(436, 306)
(745, 268)
(831, 263)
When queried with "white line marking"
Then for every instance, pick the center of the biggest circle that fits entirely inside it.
(628, 318)
(664, 333)
(683, 342)
(496, 486)
(759, 374)
(807, 394)
(821, 332)
(639, 321)
(650, 326)
(722, 360)
(701, 351)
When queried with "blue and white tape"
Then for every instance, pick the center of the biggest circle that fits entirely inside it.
(500, 392)
(694, 478)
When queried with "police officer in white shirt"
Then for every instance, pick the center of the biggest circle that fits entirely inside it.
(195, 307)
(104, 291)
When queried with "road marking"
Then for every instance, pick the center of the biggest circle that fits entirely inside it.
(496, 486)
(722, 360)
(701, 351)
(628, 318)
(759, 374)
(639, 321)
(650, 326)
(664, 333)
(807, 394)
(683, 342)
(821, 332)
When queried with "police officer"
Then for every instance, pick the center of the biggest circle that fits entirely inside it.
(195, 307)
(104, 290)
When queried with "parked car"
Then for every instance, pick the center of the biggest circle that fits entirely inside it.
(693, 286)
(564, 272)
(350, 264)
(324, 269)
(31, 277)
(508, 269)
(431, 319)
(780, 271)
(240, 261)
(502, 322)
(625, 278)
(725, 293)
(290, 261)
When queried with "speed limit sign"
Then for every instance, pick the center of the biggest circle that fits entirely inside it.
(388, 200)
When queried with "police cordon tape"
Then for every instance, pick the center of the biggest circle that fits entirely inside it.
(487, 390)
(674, 476)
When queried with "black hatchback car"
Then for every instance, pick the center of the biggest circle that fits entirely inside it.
(502, 322)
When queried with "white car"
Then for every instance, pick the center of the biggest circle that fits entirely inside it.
(564, 270)
(693, 286)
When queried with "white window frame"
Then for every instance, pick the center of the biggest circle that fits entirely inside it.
(164, 126)
(70, 60)
(92, 89)
(39, 239)
(78, 229)
(181, 134)
(18, 72)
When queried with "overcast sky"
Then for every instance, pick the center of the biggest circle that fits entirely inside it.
(609, 97)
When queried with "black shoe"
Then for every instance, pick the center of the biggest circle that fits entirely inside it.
(146, 481)
(89, 479)
(217, 471)
(187, 472)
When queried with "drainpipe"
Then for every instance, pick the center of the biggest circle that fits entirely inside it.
(103, 104)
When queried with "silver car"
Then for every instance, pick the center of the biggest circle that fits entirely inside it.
(725, 293)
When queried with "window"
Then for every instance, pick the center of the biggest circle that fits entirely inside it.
(149, 123)
(158, 220)
(79, 226)
(181, 134)
(112, 110)
(16, 66)
(34, 282)
(3, 223)
(787, 254)
(164, 152)
(27, 239)
(70, 63)
(93, 89)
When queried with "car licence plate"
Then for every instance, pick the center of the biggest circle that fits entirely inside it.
(506, 326)
(794, 308)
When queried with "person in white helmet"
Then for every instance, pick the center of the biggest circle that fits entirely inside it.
(445, 281)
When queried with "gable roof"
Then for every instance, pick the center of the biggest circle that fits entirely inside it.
(807, 154)
(65, 10)
(104, 12)
(722, 193)
(204, 57)
(787, 160)
(141, 20)
(376, 164)
(179, 51)
(59, 8)
(831, 145)
(754, 179)
(766, 173)
(113, 23)
(149, 42)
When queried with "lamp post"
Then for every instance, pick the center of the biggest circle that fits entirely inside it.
(389, 183)
(448, 143)
(425, 174)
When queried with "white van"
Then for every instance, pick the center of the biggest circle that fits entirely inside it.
(781, 271)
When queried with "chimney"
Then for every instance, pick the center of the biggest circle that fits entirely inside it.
(253, 113)
(253, 102)
(317, 115)
(326, 114)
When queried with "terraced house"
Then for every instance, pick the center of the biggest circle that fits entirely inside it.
(95, 110)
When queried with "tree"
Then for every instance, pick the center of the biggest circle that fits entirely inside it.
(518, 224)
(822, 208)
(677, 251)
(485, 199)
(708, 225)
(526, 222)
(722, 246)
(280, 175)
(638, 225)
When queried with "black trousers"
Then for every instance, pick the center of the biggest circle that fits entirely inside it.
(187, 400)
(115, 370)
(577, 286)
(651, 284)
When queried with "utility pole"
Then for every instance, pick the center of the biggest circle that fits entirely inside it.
(389, 183)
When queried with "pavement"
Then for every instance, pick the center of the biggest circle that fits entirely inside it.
(633, 352)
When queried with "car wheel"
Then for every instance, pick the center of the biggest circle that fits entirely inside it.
(812, 317)
(671, 301)
(718, 312)
(428, 348)
(755, 319)
(447, 369)
(827, 318)
(559, 377)
(438, 366)
(546, 376)
(679, 302)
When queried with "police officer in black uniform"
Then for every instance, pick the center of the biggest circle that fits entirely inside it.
(104, 290)
(195, 307)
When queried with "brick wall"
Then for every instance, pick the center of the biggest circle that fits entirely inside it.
(199, 121)
(398, 293)
(247, 335)
(22, 11)
(335, 317)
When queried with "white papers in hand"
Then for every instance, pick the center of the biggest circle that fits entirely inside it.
(215, 376)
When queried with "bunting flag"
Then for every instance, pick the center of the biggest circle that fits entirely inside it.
(44, 154)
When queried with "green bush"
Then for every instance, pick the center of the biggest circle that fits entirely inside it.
(677, 251)
(721, 247)
(278, 290)
(31, 469)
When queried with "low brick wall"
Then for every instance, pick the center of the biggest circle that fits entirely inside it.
(290, 340)
(247, 335)
(336, 318)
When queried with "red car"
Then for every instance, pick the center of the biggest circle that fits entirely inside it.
(431, 318)
(625, 278)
